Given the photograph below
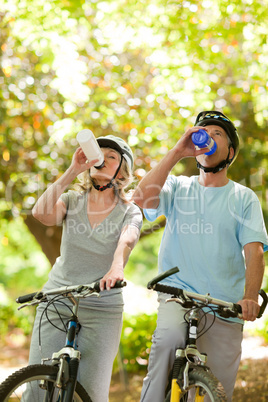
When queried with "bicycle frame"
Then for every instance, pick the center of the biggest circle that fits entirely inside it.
(56, 381)
(187, 356)
(68, 358)
(190, 370)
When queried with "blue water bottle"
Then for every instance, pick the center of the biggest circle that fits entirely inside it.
(201, 139)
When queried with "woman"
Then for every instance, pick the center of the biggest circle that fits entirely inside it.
(100, 229)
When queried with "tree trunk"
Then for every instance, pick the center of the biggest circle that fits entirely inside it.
(49, 237)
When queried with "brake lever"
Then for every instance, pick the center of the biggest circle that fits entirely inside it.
(32, 303)
(185, 303)
(88, 293)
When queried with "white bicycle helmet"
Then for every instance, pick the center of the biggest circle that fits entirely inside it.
(117, 143)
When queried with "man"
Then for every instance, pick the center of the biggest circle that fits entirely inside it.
(215, 234)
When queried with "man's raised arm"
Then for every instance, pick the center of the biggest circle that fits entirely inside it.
(147, 192)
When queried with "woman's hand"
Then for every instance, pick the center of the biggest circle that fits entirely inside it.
(79, 162)
(114, 274)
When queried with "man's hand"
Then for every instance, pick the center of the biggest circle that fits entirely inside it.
(185, 146)
(250, 309)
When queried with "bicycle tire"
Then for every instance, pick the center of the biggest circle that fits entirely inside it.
(15, 385)
(202, 382)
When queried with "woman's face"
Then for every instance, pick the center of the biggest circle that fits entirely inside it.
(111, 162)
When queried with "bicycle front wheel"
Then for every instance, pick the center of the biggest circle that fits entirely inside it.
(202, 383)
(37, 383)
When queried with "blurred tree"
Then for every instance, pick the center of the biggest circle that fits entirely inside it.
(23, 265)
(138, 69)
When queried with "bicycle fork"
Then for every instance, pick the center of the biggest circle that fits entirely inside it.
(68, 358)
(186, 358)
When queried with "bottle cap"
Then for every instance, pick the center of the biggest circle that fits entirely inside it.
(200, 138)
(84, 135)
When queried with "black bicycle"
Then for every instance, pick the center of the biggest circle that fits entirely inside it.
(190, 375)
(57, 381)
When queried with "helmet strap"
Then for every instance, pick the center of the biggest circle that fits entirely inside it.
(217, 168)
(111, 183)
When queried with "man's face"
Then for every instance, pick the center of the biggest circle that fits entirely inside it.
(219, 135)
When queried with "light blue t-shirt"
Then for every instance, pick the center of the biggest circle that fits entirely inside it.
(206, 230)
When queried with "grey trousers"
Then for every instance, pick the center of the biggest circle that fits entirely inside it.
(222, 343)
(98, 341)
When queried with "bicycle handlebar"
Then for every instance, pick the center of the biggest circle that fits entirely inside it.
(118, 284)
(91, 288)
(162, 276)
(264, 302)
(158, 287)
(187, 298)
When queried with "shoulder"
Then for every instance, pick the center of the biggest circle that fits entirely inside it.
(132, 214)
(130, 208)
(75, 195)
(181, 180)
(174, 183)
(242, 192)
(72, 197)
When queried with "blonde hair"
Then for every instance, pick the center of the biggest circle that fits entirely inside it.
(120, 184)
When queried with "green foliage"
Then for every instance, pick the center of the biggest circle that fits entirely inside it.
(141, 69)
(23, 269)
(263, 332)
(23, 266)
(136, 341)
(11, 319)
(142, 264)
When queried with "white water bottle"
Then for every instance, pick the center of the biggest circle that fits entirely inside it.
(90, 147)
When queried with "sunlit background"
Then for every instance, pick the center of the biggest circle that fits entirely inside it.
(139, 69)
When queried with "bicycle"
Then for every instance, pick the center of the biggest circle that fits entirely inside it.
(190, 376)
(56, 381)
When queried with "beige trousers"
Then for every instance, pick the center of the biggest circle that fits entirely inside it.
(222, 343)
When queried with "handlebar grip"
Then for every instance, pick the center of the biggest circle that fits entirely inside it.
(118, 284)
(237, 308)
(162, 276)
(167, 289)
(29, 297)
(264, 302)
